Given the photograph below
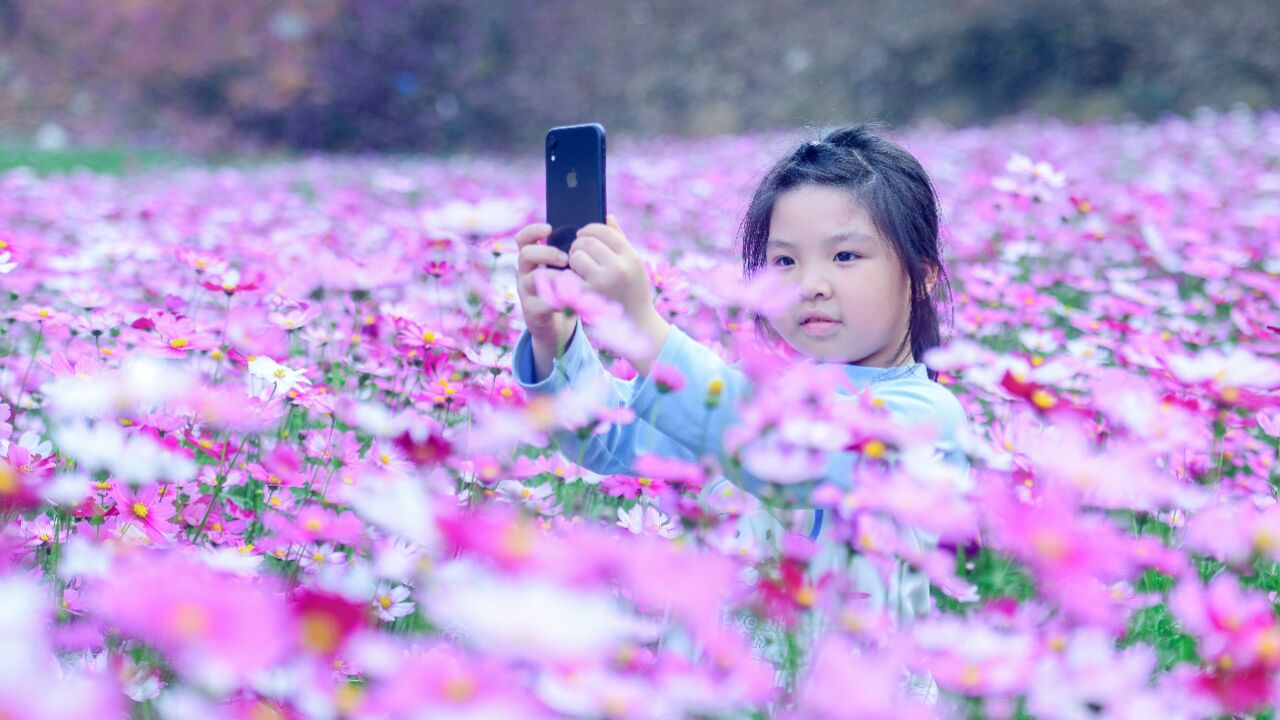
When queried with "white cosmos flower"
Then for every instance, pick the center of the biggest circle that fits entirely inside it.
(132, 457)
(647, 520)
(5, 265)
(1237, 368)
(399, 505)
(283, 378)
(550, 623)
(143, 384)
(487, 217)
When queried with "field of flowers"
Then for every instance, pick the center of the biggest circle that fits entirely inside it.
(261, 454)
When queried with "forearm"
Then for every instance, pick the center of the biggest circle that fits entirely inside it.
(546, 350)
(655, 330)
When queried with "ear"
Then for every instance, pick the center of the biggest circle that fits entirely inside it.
(932, 278)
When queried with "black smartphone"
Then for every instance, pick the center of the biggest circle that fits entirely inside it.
(575, 180)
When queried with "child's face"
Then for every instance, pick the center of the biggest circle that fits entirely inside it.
(856, 281)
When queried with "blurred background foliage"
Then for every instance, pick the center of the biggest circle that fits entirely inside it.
(216, 76)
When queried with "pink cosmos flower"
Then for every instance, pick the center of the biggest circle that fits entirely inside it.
(201, 261)
(1236, 626)
(1087, 674)
(21, 476)
(972, 657)
(632, 487)
(666, 377)
(724, 287)
(293, 318)
(848, 683)
(566, 290)
(417, 336)
(1234, 532)
(175, 337)
(214, 627)
(445, 682)
(148, 509)
(1072, 554)
(1270, 424)
(39, 314)
(39, 531)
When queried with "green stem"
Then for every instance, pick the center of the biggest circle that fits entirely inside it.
(35, 350)
(222, 479)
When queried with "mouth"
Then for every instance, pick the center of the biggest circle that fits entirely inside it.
(816, 327)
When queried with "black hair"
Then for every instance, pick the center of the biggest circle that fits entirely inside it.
(896, 192)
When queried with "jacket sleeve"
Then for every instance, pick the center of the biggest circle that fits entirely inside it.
(580, 370)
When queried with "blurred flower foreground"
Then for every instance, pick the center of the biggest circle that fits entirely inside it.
(261, 455)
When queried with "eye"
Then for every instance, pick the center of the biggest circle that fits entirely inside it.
(780, 258)
(851, 255)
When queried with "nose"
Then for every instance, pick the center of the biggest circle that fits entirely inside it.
(814, 283)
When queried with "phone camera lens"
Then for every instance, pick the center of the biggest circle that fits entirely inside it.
(551, 143)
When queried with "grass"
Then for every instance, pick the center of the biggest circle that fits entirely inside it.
(117, 160)
(111, 161)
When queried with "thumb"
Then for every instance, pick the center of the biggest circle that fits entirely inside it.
(612, 221)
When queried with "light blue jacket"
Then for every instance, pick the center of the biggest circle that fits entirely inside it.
(683, 425)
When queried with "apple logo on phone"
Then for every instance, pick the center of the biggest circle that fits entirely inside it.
(572, 178)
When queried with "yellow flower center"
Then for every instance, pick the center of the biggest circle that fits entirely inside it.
(458, 689)
(1043, 400)
(178, 343)
(140, 510)
(190, 620)
(1050, 545)
(319, 632)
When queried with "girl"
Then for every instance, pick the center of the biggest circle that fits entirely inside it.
(851, 221)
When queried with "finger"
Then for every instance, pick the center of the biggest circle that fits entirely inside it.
(532, 256)
(594, 247)
(584, 264)
(611, 236)
(531, 234)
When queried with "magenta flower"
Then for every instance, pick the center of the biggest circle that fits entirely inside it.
(148, 510)
(175, 337)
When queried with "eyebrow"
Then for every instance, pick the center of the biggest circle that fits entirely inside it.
(829, 241)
